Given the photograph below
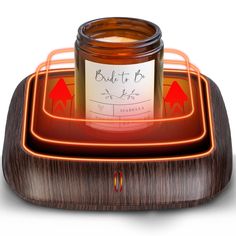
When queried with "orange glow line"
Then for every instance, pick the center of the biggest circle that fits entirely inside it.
(83, 159)
(125, 144)
(66, 50)
(55, 52)
(109, 120)
(119, 121)
(120, 144)
(48, 156)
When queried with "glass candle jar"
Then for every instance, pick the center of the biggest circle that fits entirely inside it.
(119, 72)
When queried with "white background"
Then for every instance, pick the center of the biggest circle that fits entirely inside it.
(204, 29)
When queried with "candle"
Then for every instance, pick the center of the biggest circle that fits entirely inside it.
(119, 73)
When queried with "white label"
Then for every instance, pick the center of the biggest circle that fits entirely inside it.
(119, 92)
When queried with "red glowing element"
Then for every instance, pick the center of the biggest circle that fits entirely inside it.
(176, 95)
(118, 181)
(60, 93)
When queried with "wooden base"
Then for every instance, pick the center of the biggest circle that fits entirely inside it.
(90, 185)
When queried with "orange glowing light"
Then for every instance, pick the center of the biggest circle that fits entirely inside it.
(54, 157)
(176, 142)
(49, 62)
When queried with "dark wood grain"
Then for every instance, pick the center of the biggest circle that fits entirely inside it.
(89, 185)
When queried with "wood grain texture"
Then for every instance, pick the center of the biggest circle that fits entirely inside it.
(89, 185)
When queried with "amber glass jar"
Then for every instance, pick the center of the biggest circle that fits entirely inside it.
(119, 72)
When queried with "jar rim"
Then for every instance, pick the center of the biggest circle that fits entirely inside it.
(154, 37)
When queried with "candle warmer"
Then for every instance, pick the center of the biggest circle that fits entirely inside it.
(51, 158)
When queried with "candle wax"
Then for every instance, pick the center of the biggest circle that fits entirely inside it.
(117, 39)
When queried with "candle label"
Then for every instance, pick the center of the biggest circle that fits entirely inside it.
(119, 92)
